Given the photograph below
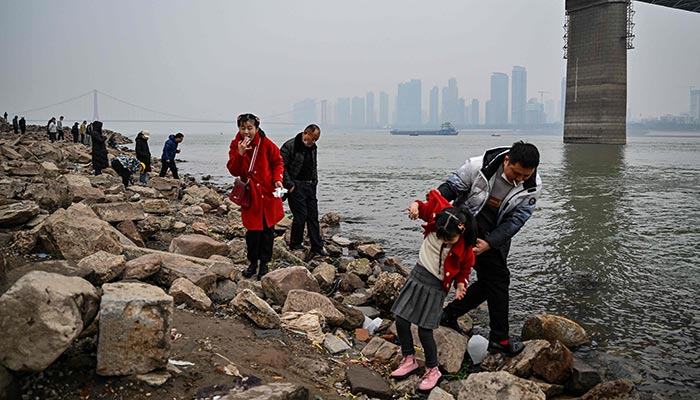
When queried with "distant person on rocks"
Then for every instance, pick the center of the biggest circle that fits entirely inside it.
(75, 131)
(88, 134)
(265, 210)
(15, 125)
(22, 125)
(100, 159)
(83, 130)
(169, 151)
(301, 179)
(143, 153)
(59, 127)
(445, 259)
(4, 116)
(500, 188)
(52, 129)
(126, 166)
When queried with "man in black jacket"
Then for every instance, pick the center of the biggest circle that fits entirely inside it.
(301, 179)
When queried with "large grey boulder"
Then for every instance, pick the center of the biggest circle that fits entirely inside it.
(614, 390)
(278, 283)
(118, 212)
(387, 289)
(135, 321)
(451, 346)
(303, 301)
(554, 327)
(495, 385)
(184, 291)
(156, 206)
(361, 267)
(76, 233)
(40, 316)
(380, 349)
(80, 188)
(363, 380)
(554, 364)
(142, 267)
(325, 275)
(129, 230)
(17, 213)
(372, 251)
(256, 309)
(50, 193)
(520, 365)
(272, 391)
(104, 267)
(583, 378)
(197, 246)
(354, 317)
(174, 266)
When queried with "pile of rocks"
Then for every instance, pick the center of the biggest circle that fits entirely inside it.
(121, 262)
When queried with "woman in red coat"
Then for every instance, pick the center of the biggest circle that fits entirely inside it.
(265, 210)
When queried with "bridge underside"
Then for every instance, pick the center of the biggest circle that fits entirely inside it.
(596, 72)
(596, 68)
(687, 5)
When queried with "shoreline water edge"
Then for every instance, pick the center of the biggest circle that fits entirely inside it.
(107, 292)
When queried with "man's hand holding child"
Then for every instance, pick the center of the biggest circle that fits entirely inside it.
(460, 291)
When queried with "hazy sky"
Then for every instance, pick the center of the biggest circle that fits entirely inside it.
(216, 59)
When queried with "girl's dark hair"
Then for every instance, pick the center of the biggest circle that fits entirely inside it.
(456, 221)
(248, 117)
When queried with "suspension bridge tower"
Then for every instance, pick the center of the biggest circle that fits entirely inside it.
(95, 112)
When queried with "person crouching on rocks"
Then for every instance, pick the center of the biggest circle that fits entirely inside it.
(266, 174)
(445, 258)
(127, 166)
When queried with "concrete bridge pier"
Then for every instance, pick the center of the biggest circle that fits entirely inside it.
(596, 72)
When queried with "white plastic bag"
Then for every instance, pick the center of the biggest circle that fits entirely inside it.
(477, 348)
(371, 324)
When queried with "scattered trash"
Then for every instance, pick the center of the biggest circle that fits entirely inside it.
(174, 334)
(229, 369)
(178, 363)
(477, 348)
(371, 324)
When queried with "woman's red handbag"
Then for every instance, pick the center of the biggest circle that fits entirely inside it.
(240, 194)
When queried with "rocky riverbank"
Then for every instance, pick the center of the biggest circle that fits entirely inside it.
(135, 294)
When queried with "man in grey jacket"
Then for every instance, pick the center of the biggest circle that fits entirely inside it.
(501, 189)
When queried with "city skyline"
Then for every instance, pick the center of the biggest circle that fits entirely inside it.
(538, 109)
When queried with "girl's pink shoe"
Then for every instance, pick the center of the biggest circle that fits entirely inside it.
(431, 378)
(407, 367)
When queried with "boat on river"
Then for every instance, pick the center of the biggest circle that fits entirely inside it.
(446, 129)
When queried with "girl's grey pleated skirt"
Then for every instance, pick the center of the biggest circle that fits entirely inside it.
(421, 298)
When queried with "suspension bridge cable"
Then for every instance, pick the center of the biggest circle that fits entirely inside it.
(53, 105)
(147, 109)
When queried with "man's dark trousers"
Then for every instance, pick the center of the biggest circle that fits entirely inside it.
(304, 205)
(164, 169)
(492, 284)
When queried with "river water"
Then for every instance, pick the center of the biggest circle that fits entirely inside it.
(613, 245)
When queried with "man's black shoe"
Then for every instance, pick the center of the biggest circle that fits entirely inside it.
(319, 253)
(450, 322)
(250, 271)
(263, 271)
(297, 247)
(513, 348)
